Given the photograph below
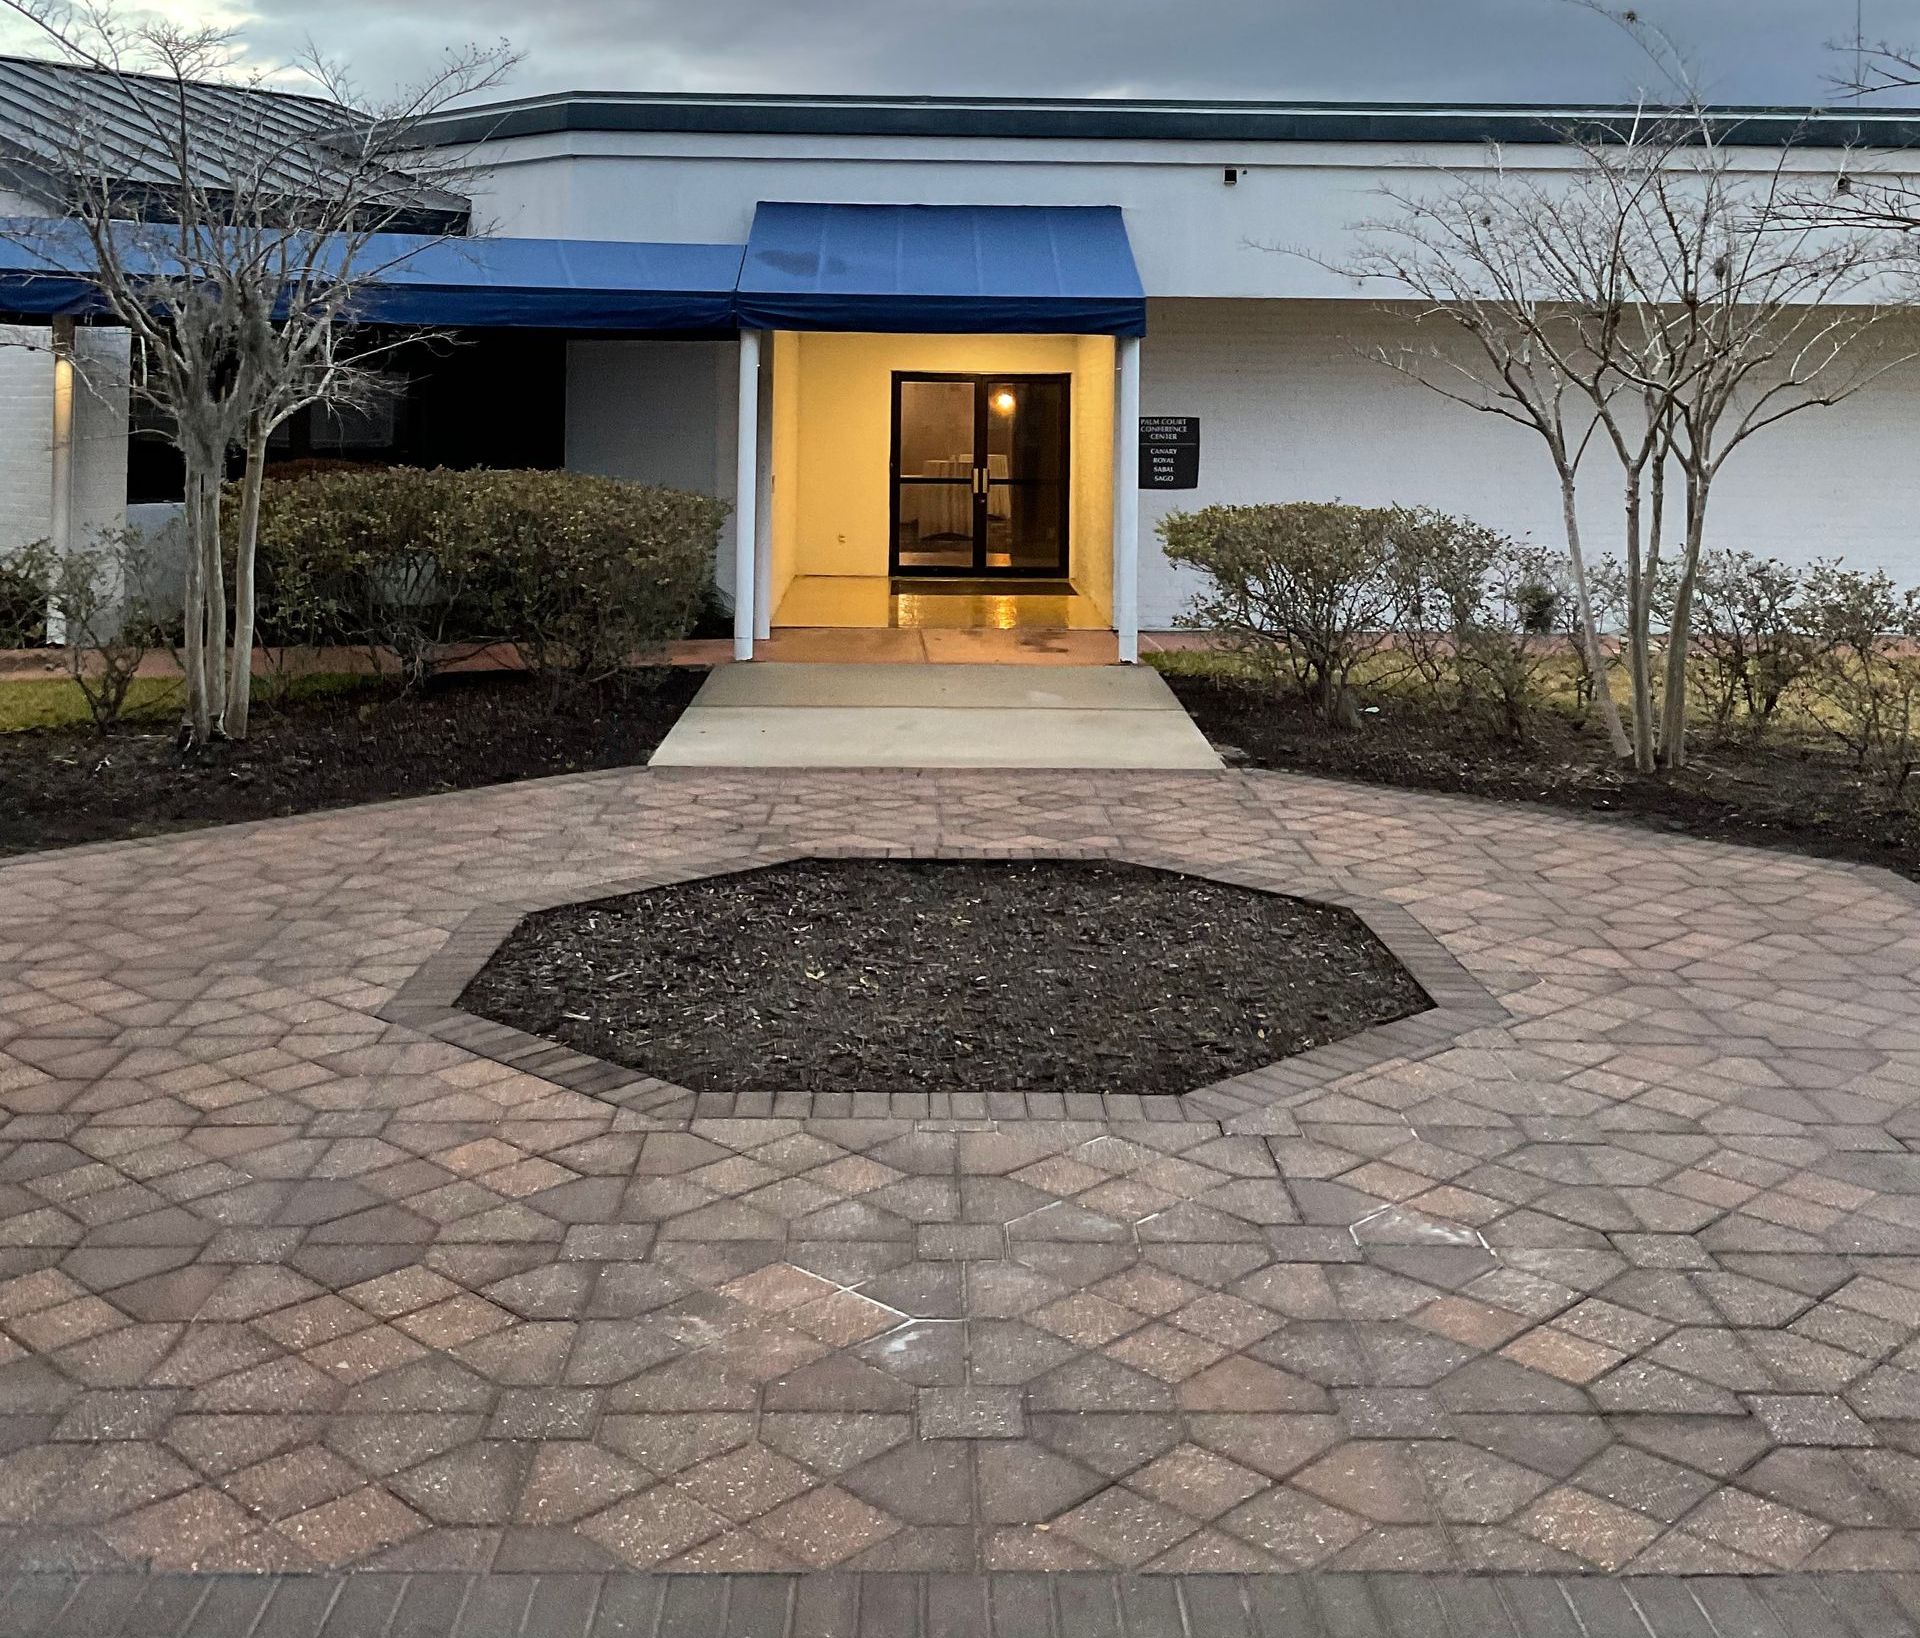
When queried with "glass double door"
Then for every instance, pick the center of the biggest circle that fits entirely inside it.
(980, 475)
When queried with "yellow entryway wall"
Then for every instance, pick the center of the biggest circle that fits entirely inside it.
(832, 438)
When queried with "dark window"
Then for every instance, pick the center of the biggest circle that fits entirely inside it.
(492, 398)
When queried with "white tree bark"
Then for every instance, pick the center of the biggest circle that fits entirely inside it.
(240, 292)
(240, 677)
(1684, 302)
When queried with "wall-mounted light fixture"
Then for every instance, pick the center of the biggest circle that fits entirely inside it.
(1231, 175)
(1004, 402)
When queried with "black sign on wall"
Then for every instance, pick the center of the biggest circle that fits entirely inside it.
(1169, 452)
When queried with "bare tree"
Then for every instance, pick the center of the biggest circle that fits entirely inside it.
(1492, 257)
(1869, 192)
(234, 236)
(1880, 67)
(1662, 297)
(1752, 316)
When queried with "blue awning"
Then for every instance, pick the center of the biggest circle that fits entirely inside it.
(571, 284)
(1005, 269)
(45, 278)
(566, 284)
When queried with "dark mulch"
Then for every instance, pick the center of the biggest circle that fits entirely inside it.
(937, 976)
(59, 787)
(1801, 798)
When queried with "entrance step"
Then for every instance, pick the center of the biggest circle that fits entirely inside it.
(770, 715)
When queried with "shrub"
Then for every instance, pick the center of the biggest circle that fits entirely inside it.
(99, 601)
(108, 599)
(335, 559)
(1437, 568)
(1603, 581)
(1751, 636)
(1472, 612)
(23, 596)
(308, 466)
(1607, 592)
(1536, 595)
(1865, 681)
(1302, 588)
(581, 573)
(1509, 646)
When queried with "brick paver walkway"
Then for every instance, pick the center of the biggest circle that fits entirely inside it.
(1620, 1275)
(1008, 1604)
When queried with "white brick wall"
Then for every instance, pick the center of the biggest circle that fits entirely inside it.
(1289, 410)
(26, 434)
(657, 412)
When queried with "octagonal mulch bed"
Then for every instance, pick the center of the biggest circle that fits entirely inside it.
(894, 975)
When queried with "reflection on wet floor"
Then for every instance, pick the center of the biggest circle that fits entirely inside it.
(872, 601)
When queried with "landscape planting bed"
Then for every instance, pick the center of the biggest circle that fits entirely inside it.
(892, 975)
(63, 786)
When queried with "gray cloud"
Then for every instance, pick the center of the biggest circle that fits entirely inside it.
(1484, 50)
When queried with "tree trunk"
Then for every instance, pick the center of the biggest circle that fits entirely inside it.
(216, 581)
(240, 677)
(1655, 534)
(1639, 632)
(1673, 702)
(1589, 631)
(197, 713)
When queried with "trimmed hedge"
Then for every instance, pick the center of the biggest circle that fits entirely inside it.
(583, 574)
(1317, 589)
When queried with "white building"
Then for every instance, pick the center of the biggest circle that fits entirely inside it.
(940, 388)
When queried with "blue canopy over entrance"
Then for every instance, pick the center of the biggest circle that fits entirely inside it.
(998, 269)
(993, 269)
(464, 283)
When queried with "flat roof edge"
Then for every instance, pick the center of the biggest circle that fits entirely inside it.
(1108, 120)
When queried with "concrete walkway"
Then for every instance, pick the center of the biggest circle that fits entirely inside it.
(770, 715)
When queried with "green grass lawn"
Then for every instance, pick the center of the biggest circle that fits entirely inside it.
(1203, 662)
(56, 702)
(1384, 678)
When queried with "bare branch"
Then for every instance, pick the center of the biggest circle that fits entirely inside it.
(234, 230)
(1683, 296)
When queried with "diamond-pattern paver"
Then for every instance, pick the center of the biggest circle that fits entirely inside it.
(1609, 1263)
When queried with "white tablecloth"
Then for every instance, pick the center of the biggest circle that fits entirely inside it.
(947, 508)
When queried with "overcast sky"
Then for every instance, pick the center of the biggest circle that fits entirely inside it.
(1420, 50)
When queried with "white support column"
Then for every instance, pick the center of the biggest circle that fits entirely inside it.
(1126, 498)
(60, 462)
(60, 512)
(763, 504)
(746, 494)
